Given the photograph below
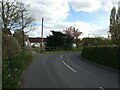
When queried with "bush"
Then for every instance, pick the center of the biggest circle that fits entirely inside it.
(10, 47)
(107, 56)
(13, 69)
(14, 61)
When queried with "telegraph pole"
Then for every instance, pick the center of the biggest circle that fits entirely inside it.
(42, 37)
(23, 30)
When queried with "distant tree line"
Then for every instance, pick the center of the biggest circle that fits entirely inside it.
(97, 41)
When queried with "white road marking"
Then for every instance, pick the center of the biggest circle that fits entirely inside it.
(61, 56)
(101, 88)
(69, 67)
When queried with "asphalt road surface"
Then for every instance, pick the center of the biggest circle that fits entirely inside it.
(0, 59)
(67, 70)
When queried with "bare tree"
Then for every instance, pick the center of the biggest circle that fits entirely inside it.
(14, 15)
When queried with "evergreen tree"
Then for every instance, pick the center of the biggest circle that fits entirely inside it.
(59, 41)
(115, 26)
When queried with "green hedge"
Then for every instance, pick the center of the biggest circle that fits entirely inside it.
(10, 47)
(14, 61)
(107, 56)
(12, 69)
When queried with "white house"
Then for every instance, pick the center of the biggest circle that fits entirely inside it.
(36, 41)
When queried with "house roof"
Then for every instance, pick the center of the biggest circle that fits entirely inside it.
(36, 40)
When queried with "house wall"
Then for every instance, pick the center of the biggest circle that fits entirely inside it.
(29, 44)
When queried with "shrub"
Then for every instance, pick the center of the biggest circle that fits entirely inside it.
(14, 61)
(10, 47)
(107, 56)
(12, 69)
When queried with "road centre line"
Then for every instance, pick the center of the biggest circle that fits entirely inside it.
(101, 88)
(69, 67)
(61, 56)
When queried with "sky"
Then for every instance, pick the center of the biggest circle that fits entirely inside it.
(91, 17)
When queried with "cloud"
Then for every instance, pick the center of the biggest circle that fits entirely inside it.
(107, 5)
(84, 27)
(93, 5)
(85, 5)
(55, 13)
(100, 32)
(88, 28)
(51, 10)
(59, 10)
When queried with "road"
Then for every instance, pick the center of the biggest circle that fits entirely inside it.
(0, 59)
(67, 70)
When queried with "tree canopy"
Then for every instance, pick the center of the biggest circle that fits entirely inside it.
(97, 41)
(75, 33)
(58, 41)
(14, 15)
(114, 28)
